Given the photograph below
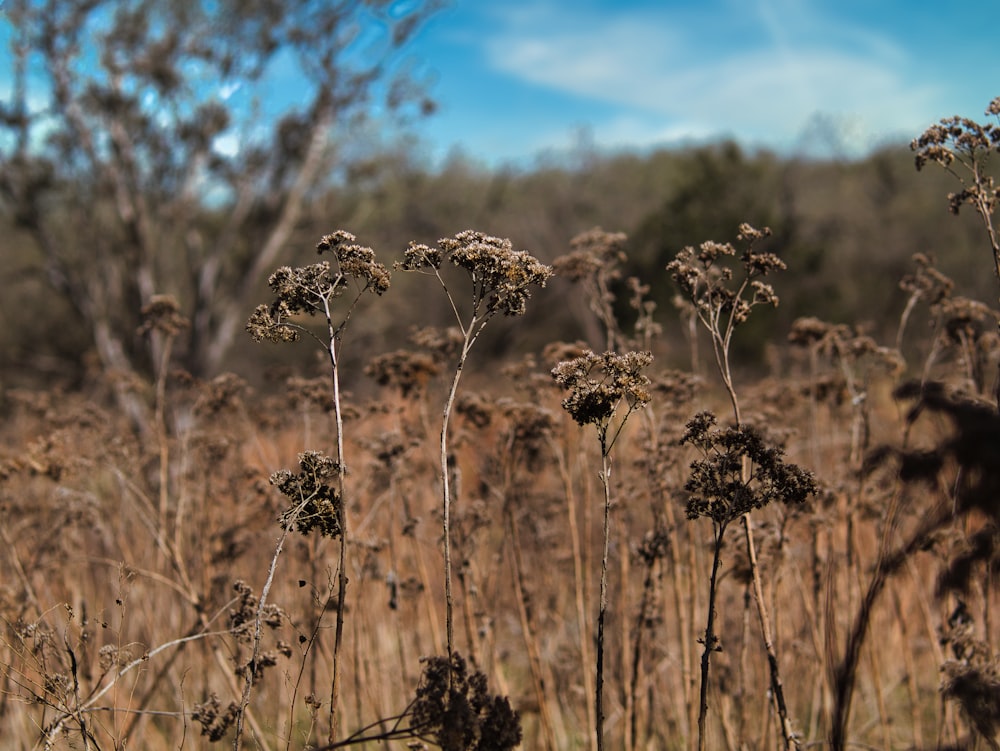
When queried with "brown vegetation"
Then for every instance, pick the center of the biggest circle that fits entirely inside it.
(486, 574)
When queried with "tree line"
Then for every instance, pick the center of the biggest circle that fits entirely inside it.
(116, 192)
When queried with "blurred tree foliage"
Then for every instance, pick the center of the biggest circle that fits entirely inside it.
(847, 230)
(125, 174)
(138, 156)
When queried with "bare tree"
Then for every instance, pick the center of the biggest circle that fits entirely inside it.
(138, 150)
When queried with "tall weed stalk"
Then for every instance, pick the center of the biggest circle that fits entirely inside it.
(604, 390)
(501, 280)
(317, 290)
(723, 301)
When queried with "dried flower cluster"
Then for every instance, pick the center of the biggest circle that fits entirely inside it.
(314, 501)
(458, 712)
(598, 384)
(243, 616)
(501, 276)
(214, 720)
(719, 486)
(972, 677)
(404, 370)
(163, 314)
(312, 289)
(594, 255)
(927, 283)
(841, 342)
(706, 281)
(967, 142)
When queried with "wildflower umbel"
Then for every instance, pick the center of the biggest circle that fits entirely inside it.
(593, 400)
(705, 281)
(721, 489)
(315, 503)
(501, 276)
(311, 289)
(962, 147)
(720, 300)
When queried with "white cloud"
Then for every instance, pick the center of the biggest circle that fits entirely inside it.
(759, 71)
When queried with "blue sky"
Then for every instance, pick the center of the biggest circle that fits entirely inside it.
(517, 77)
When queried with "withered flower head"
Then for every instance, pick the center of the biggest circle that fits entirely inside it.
(355, 261)
(315, 503)
(443, 344)
(591, 253)
(706, 277)
(719, 488)
(457, 710)
(598, 384)
(404, 370)
(214, 720)
(501, 276)
(311, 289)
(163, 313)
(962, 146)
(927, 282)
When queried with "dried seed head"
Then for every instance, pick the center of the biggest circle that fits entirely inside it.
(311, 289)
(598, 384)
(315, 503)
(163, 313)
(501, 276)
(406, 371)
(719, 486)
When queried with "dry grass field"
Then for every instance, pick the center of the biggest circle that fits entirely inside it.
(617, 554)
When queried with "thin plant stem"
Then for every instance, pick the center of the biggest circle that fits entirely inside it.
(446, 495)
(709, 640)
(721, 341)
(342, 581)
(603, 607)
(579, 581)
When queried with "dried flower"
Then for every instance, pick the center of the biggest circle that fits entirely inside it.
(721, 488)
(959, 142)
(163, 313)
(215, 720)
(311, 289)
(593, 254)
(244, 615)
(618, 378)
(404, 370)
(458, 711)
(501, 276)
(314, 501)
